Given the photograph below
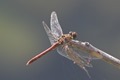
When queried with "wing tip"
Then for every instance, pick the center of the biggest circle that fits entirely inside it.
(53, 12)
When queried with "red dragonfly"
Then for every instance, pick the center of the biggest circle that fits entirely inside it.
(81, 53)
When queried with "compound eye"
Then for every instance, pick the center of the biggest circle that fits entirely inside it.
(73, 34)
(70, 33)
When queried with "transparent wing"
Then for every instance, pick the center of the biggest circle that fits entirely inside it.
(49, 33)
(72, 55)
(55, 26)
(82, 49)
(81, 62)
(78, 59)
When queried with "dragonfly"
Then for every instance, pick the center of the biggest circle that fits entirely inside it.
(81, 53)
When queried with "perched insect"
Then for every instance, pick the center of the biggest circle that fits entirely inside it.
(81, 53)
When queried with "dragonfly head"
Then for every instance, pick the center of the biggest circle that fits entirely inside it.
(73, 34)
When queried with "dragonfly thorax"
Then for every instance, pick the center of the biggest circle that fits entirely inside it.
(65, 38)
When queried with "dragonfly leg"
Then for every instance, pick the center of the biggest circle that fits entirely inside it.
(86, 71)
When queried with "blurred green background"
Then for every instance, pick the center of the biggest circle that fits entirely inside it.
(22, 36)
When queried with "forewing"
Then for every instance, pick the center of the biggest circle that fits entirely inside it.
(77, 59)
(82, 49)
(55, 26)
(70, 54)
(49, 33)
